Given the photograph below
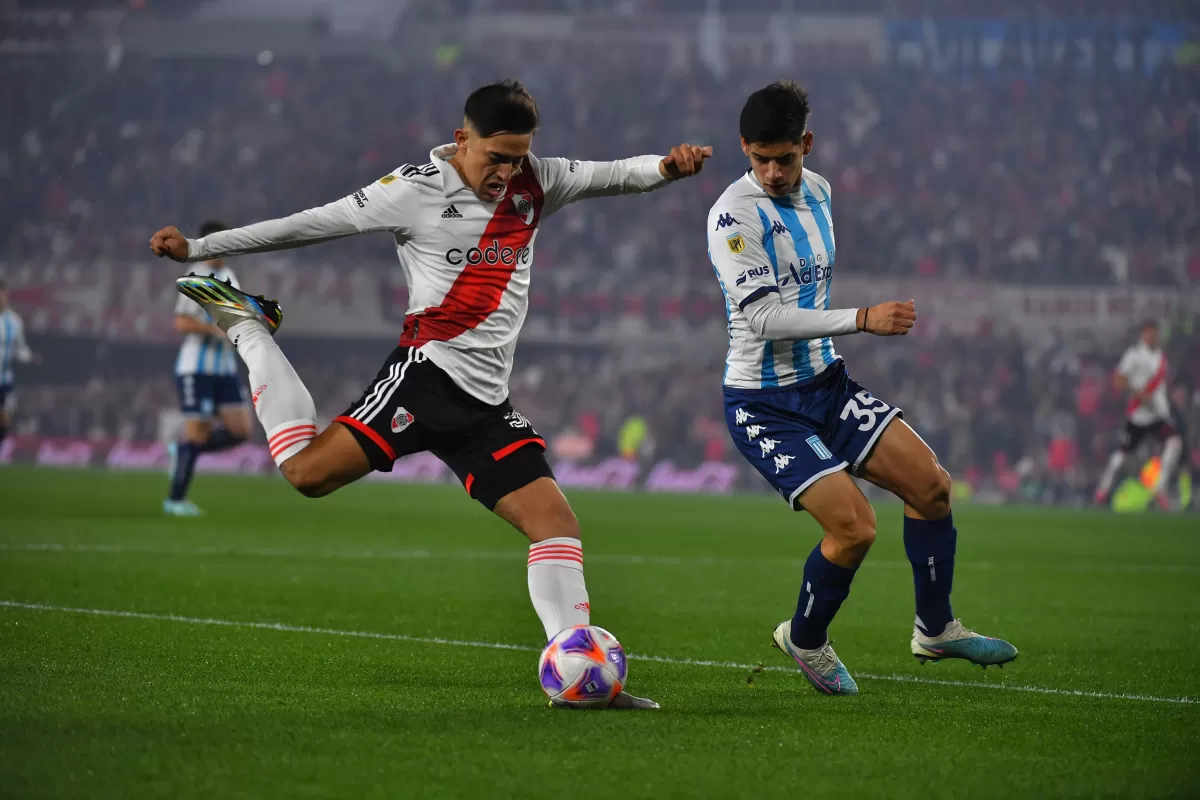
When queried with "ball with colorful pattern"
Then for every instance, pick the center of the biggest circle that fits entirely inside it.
(583, 667)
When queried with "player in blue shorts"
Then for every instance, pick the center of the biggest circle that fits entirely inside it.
(216, 415)
(797, 415)
(13, 349)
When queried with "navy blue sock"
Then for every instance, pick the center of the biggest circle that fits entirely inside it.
(826, 587)
(220, 439)
(930, 546)
(187, 455)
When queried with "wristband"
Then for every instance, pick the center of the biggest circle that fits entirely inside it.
(866, 311)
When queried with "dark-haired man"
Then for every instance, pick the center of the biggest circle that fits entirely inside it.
(210, 391)
(464, 226)
(797, 415)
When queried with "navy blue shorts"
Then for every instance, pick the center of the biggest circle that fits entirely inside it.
(205, 395)
(795, 435)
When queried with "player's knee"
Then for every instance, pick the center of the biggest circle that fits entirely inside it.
(854, 528)
(307, 476)
(557, 520)
(933, 501)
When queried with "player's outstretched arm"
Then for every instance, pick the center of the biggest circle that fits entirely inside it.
(566, 181)
(893, 318)
(378, 207)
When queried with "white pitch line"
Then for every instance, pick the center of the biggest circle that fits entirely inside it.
(514, 555)
(686, 662)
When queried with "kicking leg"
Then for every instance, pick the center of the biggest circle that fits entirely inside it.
(904, 465)
(1170, 459)
(1113, 468)
(848, 522)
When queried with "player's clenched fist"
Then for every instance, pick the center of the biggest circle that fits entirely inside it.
(684, 160)
(171, 243)
(893, 318)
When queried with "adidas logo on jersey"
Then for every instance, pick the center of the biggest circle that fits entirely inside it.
(451, 213)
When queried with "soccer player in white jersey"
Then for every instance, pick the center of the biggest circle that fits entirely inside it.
(797, 415)
(1142, 371)
(464, 227)
(216, 415)
(13, 350)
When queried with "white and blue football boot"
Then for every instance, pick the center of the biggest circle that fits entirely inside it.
(228, 305)
(821, 667)
(958, 642)
(181, 508)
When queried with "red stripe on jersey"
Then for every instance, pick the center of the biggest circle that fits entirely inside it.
(1150, 387)
(515, 446)
(479, 288)
(469, 483)
(379, 441)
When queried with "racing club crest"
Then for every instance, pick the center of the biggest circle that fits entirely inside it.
(524, 203)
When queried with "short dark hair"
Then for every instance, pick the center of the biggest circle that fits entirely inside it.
(502, 107)
(212, 226)
(1149, 323)
(775, 113)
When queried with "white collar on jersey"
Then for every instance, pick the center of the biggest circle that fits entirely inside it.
(451, 182)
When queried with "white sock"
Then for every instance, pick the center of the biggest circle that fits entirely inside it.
(1170, 458)
(1110, 472)
(283, 404)
(556, 584)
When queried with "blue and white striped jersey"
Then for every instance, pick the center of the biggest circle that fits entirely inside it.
(12, 345)
(205, 355)
(773, 250)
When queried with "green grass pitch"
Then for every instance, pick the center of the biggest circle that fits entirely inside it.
(378, 680)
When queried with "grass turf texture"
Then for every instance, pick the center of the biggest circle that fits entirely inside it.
(102, 706)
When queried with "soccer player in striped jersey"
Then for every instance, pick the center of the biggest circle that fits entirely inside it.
(13, 350)
(796, 414)
(216, 415)
(464, 227)
(1142, 371)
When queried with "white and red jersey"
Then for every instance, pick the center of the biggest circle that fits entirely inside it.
(1146, 371)
(467, 261)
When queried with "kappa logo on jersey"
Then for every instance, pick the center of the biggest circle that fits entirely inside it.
(741, 416)
(492, 254)
(724, 221)
(757, 272)
(768, 446)
(401, 420)
(777, 228)
(524, 204)
(517, 420)
(781, 462)
(754, 430)
(819, 448)
(451, 213)
(736, 243)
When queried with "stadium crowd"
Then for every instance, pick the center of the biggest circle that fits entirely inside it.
(1073, 179)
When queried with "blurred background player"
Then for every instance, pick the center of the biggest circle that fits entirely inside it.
(1142, 371)
(215, 413)
(798, 417)
(13, 350)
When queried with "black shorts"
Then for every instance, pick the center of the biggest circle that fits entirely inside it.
(1133, 434)
(413, 406)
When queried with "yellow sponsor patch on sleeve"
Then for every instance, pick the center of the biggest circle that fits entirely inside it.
(386, 179)
(736, 243)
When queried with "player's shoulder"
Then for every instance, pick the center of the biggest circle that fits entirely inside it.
(737, 205)
(408, 178)
(817, 184)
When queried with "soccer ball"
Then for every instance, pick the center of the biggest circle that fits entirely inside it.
(582, 667)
